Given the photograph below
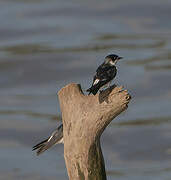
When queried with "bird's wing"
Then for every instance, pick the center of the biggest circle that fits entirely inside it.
(55, 138)
(95, 80)
(104, 73)
(100, 72)
(111, 73)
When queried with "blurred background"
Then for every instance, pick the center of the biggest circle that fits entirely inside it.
(45, 45)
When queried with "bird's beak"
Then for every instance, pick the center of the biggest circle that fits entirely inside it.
(120, 58)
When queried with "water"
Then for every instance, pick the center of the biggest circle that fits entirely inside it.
(46, 45)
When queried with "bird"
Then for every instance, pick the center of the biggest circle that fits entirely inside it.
(105, 73)
(55, 138)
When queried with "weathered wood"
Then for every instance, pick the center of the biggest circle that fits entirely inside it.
(84, 119)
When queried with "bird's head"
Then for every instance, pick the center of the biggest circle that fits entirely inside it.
(112, 59)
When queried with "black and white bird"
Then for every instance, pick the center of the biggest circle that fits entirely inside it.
(55, 138)
(105, 73)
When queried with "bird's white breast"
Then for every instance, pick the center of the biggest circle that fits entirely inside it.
(112, 63)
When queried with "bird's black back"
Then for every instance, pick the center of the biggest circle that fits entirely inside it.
(105, 73)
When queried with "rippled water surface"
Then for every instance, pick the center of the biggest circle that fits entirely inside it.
(45, 45)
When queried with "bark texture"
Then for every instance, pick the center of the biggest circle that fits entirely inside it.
(84, 119)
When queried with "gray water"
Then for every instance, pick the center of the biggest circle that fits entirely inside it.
(45, 45)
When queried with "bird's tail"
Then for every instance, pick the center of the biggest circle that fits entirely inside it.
(93, 90)
(55, 138)
(88, 90)
(40, 146)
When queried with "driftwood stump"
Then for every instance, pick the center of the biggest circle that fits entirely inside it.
(84, 119)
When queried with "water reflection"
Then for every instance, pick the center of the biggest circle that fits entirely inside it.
(26, 49)
(31, 113)
(145, 122)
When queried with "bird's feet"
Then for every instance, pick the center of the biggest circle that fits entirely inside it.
(100, 91)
